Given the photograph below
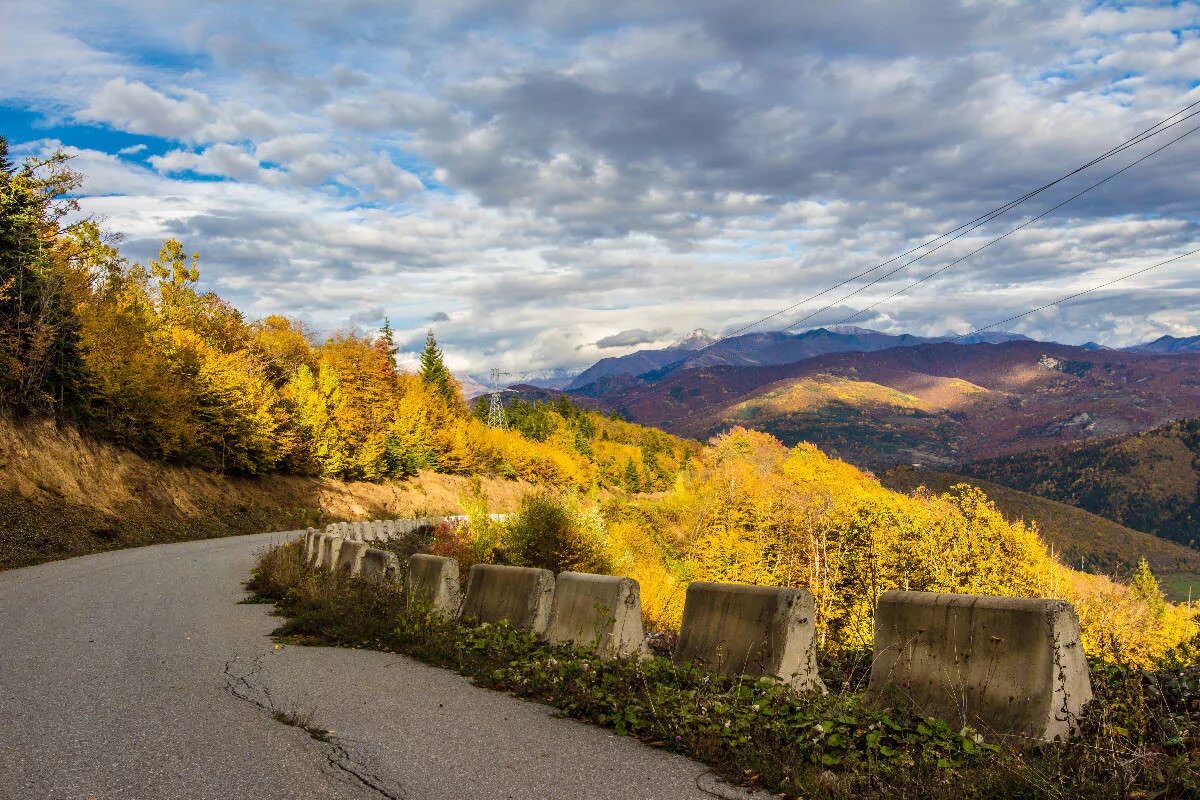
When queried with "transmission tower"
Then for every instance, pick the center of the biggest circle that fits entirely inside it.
(496, 417)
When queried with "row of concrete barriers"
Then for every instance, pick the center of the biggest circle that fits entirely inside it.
(1005, 665)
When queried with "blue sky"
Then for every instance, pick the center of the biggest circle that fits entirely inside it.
(547, 184)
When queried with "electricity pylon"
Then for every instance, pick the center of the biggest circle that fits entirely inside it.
(496, 417)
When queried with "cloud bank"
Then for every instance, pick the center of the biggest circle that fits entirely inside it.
(553, 176)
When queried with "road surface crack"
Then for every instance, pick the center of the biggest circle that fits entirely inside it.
(245, 685)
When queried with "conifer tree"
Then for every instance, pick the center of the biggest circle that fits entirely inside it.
(434, 372)
(1145, 585)
(385, 345)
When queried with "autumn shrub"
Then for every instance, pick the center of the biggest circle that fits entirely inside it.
(554, 531)
(279, 569)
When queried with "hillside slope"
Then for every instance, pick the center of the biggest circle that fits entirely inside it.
(1079, 537)
(62, 494)
(936, 404)
(1149, 481)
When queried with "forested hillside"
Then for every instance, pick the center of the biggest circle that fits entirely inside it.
(1150, 481)
(750, 510)
(140, 356)
(935, 404)
(1081, 538)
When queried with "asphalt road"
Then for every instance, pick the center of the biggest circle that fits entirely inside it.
(136, 674)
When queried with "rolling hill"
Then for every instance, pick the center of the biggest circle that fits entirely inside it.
(1169, 344)
(1149, 481)
(934, 404)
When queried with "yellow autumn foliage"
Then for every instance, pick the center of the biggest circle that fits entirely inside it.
(752, 511)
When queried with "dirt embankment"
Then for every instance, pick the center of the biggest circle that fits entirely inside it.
(64, 494)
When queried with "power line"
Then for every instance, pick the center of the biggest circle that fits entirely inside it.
(956, 233)
(983, 219)
(1069, 297)
(989, 243)
(1023, 314)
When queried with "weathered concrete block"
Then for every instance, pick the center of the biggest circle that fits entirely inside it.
(306, 550)
(751, 630)
(521, 595)
(330, 551)
(350, 557)
(389, 528)
(318, 546)
(434, 580)
(599, 611)
(1002, 664)
(381, 565)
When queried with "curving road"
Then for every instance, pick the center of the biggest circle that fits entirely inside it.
(136, 674)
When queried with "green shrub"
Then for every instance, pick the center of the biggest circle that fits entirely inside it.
(550, 530)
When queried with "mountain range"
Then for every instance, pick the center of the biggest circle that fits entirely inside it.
(879, 400)
(700, 349)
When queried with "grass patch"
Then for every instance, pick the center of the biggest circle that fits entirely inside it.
(1138, 740)
(1180, 587)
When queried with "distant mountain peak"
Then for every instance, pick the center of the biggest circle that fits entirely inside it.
(696, 340)
(851, 330)
(1168, 344)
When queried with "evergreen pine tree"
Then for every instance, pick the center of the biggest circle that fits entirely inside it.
(386, 345)
(434, 372)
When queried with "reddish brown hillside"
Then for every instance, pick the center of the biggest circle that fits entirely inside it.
(971, 401)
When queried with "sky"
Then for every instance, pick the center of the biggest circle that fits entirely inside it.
(545, 184)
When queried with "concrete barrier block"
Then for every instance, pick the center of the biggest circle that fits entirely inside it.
(306, 550)
(318, 546)
(751, 630)
(434, 580)
(350, 557)
(521, 595)
(380, 565)
(329, 553)
(1002, 664)
(599, 611)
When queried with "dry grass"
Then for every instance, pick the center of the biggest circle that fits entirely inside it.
(63, 494)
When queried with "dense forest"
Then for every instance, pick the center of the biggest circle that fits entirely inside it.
(1149, 481)
(139, 355)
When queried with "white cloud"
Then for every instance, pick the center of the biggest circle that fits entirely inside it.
(223, 160)
(629, 168)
